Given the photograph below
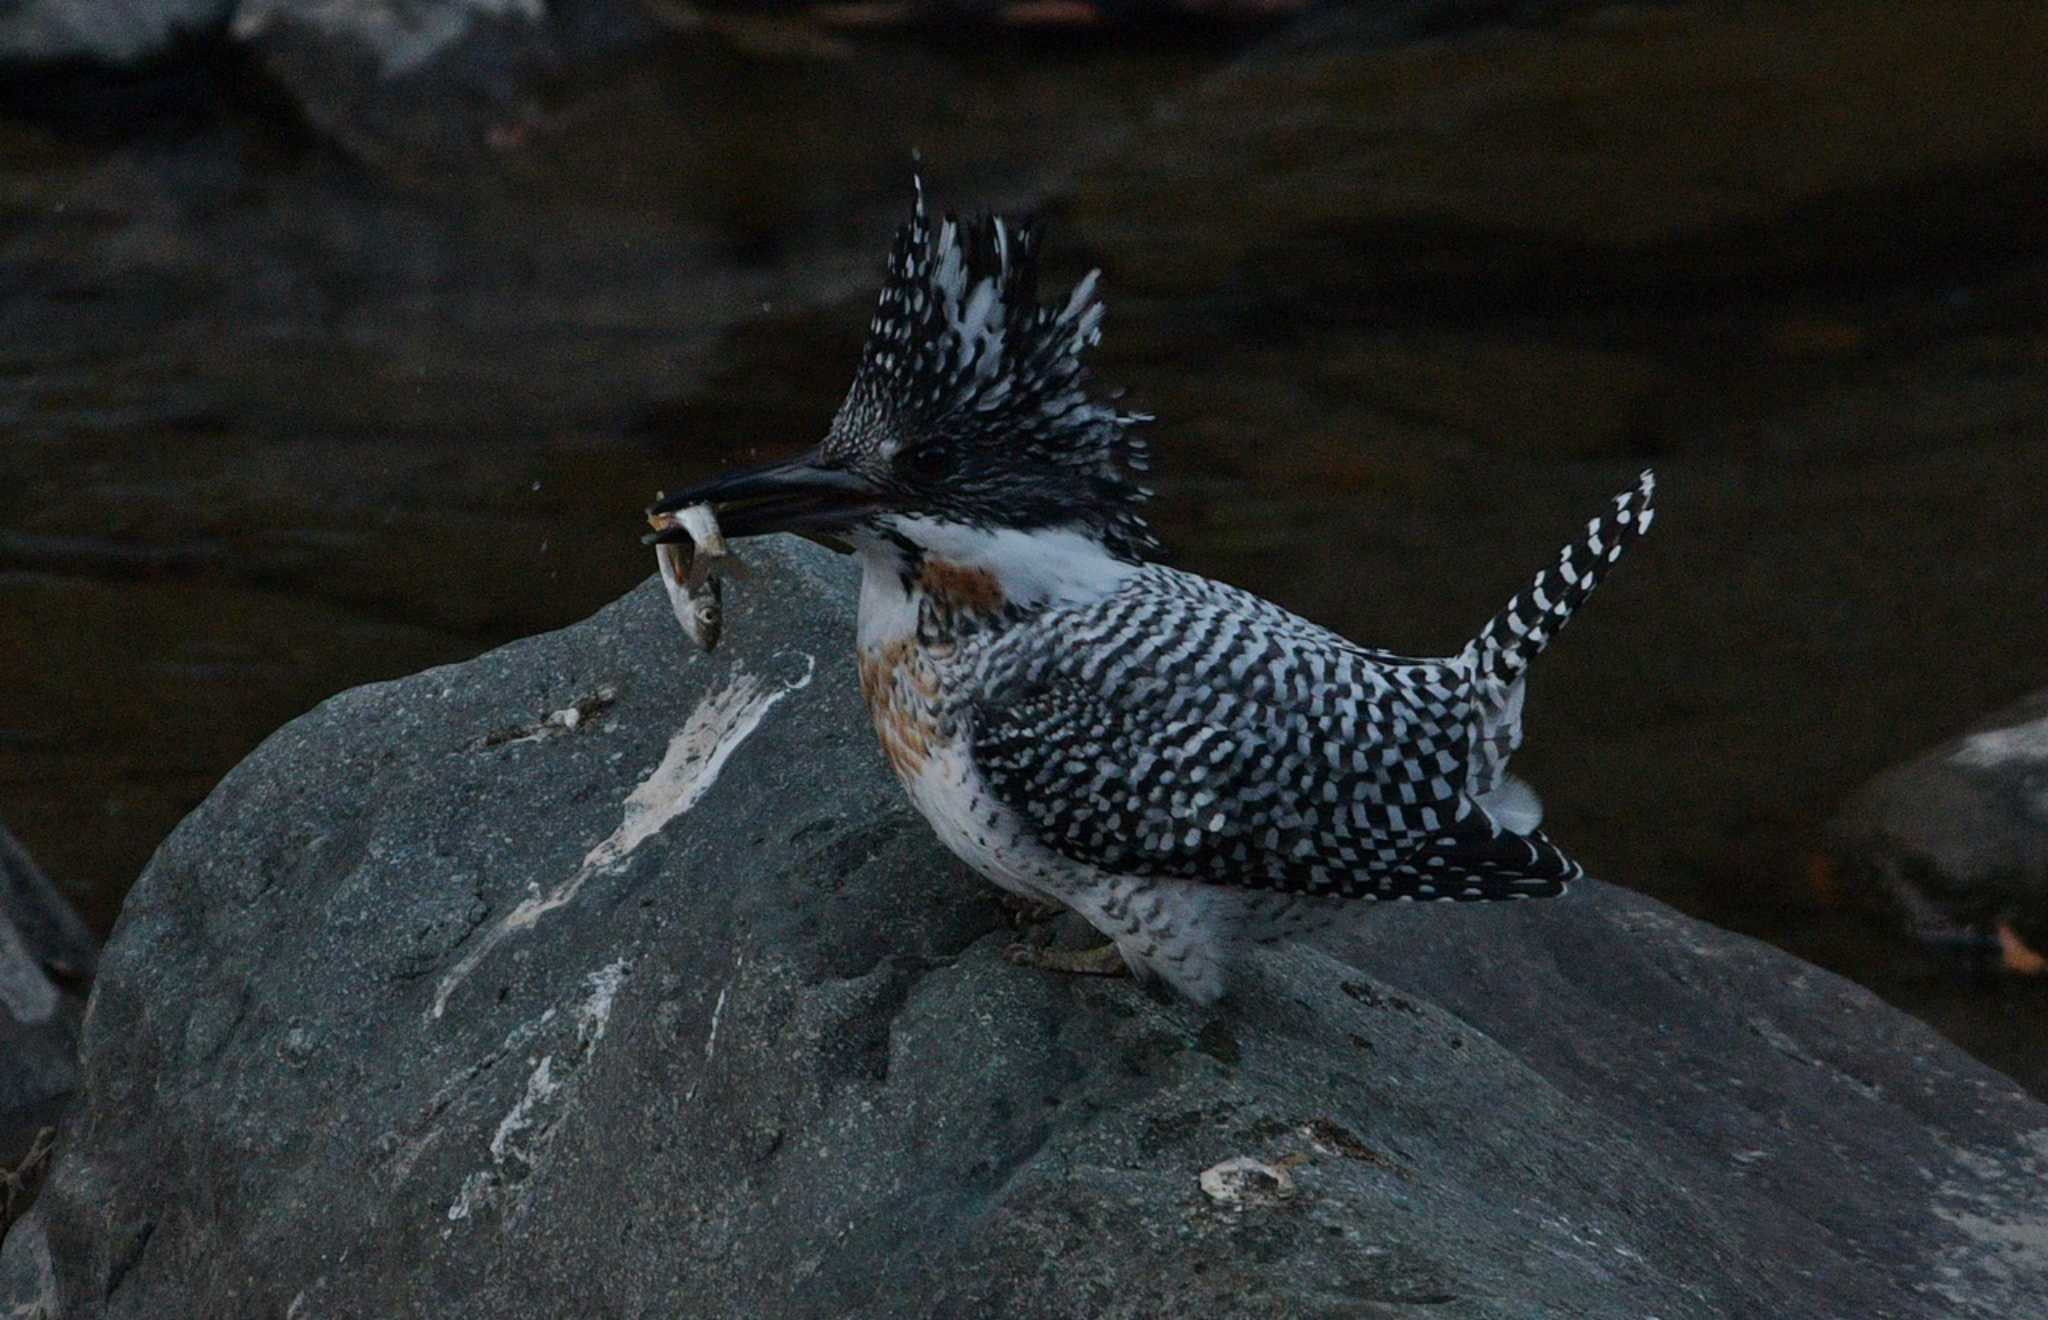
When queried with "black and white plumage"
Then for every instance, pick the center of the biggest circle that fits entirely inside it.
(965, 377)
(1184, 764)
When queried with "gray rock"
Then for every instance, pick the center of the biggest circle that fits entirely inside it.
(46, 958)
(116, 32)
(412, 85)
(1955, 841)
(48, 927)
(38, 1067)
(450, 1003)
(400, 36)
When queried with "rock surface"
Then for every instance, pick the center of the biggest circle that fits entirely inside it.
(402, 36)
(118, 32)
(598, 977)
(407, 86)
(410, 85)
(1955, 841)
(46, 960)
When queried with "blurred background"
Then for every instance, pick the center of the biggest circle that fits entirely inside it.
(340, 338)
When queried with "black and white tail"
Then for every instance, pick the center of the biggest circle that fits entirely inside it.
(1497, 851)
(1496, 659)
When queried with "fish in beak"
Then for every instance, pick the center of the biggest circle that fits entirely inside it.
(803, 495)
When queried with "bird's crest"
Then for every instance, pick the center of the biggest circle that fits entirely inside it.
(965, 365)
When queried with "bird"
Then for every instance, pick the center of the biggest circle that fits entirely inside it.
(1192, 769)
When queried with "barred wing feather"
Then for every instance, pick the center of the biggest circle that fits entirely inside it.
(1179, 728)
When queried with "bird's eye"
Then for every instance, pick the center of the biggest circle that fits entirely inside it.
(924, 462)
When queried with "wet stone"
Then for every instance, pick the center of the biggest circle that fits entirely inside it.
(1953, 844)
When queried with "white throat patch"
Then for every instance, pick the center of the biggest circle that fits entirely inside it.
(1043, 566)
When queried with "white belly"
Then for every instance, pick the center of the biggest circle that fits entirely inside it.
(978, 829)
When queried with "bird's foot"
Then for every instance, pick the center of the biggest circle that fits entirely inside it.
(1102, 960)
(1025, 912)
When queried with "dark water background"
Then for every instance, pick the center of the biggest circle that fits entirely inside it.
(278, 420)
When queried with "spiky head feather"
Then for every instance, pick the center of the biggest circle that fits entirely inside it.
(974, 392)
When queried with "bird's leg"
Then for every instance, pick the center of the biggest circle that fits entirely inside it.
(1027, 911)
(1102, 960)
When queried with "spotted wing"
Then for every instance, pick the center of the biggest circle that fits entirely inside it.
(1180, 728)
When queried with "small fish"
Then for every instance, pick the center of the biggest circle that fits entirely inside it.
(690, 570)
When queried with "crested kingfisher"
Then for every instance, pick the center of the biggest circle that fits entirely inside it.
(1187, 766)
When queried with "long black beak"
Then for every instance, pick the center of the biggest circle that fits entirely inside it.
(802, 495)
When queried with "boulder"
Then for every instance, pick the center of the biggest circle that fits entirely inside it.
(409, 86)
(49, 929)
(1954, 843)
(399, 36)
(112, 32)
(596, 976)
(47, 958)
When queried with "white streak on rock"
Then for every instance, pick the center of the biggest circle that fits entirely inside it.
(528, 1128)
(476, 1190)
(713, 732)
(2022, 742)
(540, 1088)
(711, 1037)
(696, 756)
(594, 1014)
